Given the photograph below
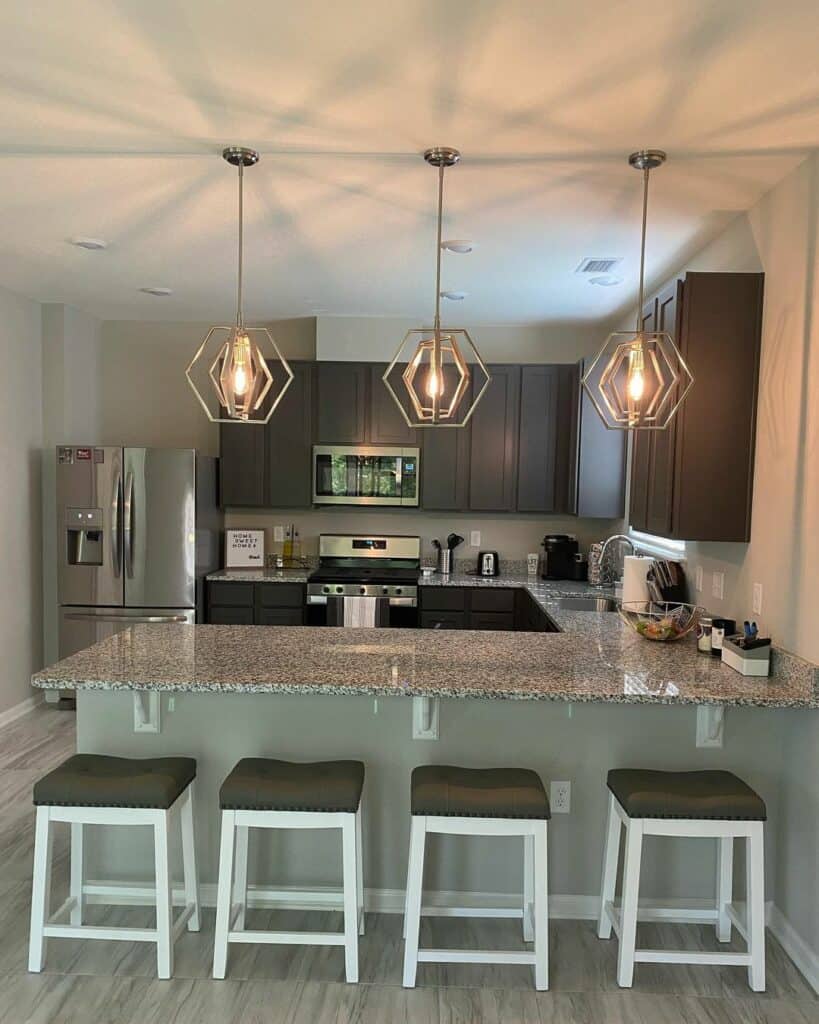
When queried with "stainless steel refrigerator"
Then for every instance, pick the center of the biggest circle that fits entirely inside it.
(137, 531)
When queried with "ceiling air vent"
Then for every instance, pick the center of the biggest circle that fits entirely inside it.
(598, 264)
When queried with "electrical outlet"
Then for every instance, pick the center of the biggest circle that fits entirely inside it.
(278, 534)
(475, 539)
(718, 585)
(171, 704)
(757, 599)
(560, 797)
(698, 579)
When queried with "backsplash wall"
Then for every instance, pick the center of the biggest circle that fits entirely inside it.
(512, 536)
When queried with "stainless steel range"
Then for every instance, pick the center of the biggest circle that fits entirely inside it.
(365, 579)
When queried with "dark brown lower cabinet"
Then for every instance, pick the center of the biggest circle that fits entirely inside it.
(508, 608)
(232, 603)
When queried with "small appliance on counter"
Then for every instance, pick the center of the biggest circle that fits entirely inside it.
(488, 563)
(559, 557)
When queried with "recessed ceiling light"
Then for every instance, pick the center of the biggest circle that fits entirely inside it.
(155, 290)
(606, 280)
(89, 243)
(454, 296)
(459, 245)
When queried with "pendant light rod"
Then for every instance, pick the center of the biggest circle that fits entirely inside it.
(240, 157)
(440, 157)
(644, 160)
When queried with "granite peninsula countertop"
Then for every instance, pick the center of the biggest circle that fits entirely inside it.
(595, 659)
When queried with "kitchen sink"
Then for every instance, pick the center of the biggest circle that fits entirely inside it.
(588, 604)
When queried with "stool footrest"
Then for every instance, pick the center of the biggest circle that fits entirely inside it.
(690, 956)
(475, 956)
(288, 938)
(84, 931)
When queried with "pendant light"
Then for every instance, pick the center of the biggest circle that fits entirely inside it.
(437, 375)
(231, 372)
(639, 378)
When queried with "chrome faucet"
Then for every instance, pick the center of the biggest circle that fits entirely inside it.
(607, 575)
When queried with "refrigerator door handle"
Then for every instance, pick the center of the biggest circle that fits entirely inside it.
(128, 526)
(91, 617)
(116, 513)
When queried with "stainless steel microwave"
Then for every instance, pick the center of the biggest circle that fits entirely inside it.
(365, 475)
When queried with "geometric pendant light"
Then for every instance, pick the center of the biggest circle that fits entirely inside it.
(437, 377)
(231, 373)
(639, 378)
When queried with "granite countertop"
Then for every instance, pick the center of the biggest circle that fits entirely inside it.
(260, 575)
(595, 659)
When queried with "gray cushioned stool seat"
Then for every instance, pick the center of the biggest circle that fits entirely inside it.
(97, 780)
(438, 789)
(708, 795)
(264, 784)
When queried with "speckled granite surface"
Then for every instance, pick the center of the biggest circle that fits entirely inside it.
(261, 575)
(596, 658)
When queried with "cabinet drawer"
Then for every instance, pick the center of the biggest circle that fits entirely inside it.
(443, 598)
(491, 620)
(280, 617)
(227, 615)
(492, 600)
(280, 595)
(443, 620)
(231, 594)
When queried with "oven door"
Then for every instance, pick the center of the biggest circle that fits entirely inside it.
(365, 475)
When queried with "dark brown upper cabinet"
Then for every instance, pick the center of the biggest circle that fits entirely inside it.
(493, 464)
(386, 424)
(241, 464)
(694, 480)
(343, 402)
(445, 459)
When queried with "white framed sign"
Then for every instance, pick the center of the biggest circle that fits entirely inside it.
(244, 549)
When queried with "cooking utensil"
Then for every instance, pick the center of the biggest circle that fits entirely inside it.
(453, 540)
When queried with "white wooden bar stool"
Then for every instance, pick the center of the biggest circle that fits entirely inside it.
(710, 804)
(265, 793)
(94, 789)
(480, 802)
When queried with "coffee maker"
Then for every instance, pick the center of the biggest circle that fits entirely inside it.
(558, 557)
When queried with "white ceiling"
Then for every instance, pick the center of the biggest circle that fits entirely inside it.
(113, 114)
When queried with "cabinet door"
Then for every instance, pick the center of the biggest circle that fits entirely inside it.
(443, 620)
(641, 450)
(280, 617)
(660, 490)
(230, 615)
(538, 441)
(341, 402)
(445, 463)
(288, 443)
(492, 620)
(241, 464)
(493, 462)
(598, 460)
(387, 425)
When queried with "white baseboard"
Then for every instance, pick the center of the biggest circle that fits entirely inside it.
(23, 708)
(795, 946)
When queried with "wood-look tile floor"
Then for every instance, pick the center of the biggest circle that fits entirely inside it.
(114, 983)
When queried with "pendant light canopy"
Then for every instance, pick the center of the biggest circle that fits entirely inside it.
(639, 379)
(231, 372)
(436, 372)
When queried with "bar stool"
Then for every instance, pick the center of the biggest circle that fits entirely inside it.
(264, 793)
(93, 789)
(713, 804)
(480, 802)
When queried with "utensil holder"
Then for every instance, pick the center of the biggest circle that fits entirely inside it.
(444, 561)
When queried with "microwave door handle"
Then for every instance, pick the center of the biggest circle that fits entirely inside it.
(128, 528)
(90, 617)
(116, 515)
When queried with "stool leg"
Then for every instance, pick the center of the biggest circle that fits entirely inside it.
(164, 905)
(40, 889)
(359, 854)
(528, 887)
(76, 872)
(611, 855)
(541, 883)
(189, 859)
(240, 876)
(223, 894)
(628, 909)
(350, 882)
(755, 868)
(415, 882)
(725, 887)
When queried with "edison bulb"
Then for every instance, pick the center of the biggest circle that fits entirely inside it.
(433, 385)
(239, 380)
(636, 382)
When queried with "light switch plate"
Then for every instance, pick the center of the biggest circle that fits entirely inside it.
(757, 600)
(475, 538)
(718, 585)
(698, 583)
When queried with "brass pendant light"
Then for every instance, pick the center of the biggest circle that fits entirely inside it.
(639, 379)
(445, 363)
(231, 371)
